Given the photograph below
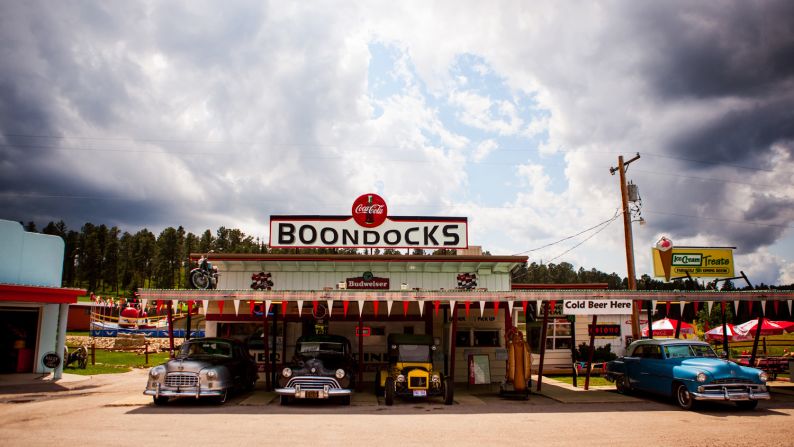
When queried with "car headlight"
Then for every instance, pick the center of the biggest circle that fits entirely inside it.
(340, 373)
(286, 372)
(436, 378)
(212, 374)
(762, 376)
(701, 377)
(154, 373)
(401, 378)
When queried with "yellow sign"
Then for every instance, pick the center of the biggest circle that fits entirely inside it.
(697, 261)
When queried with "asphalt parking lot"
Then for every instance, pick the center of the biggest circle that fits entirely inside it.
(110, 410)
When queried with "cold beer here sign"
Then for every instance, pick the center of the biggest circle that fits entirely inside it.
(596, 307)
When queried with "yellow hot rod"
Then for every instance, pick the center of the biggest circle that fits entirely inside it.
(410, 370)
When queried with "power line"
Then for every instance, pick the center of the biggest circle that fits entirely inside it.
(617, 213)
(583, 241)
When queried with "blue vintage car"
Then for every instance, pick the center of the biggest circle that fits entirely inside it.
(689, 371)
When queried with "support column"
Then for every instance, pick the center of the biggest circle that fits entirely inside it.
(60, 340)
(724, 331)
(170, 319)
(266, 343)
(361, 352)
(757, 337)
(543, 342)
(650, 318)
(452, 343)
(273, 363)
(590, 354)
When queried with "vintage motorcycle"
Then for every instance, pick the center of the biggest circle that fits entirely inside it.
(205, 276)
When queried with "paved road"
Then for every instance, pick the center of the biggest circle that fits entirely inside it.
(110, 410)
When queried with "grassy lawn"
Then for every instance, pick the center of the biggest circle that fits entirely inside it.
(594, 380)
(108, 362)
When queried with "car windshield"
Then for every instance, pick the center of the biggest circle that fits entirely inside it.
(314, 347)
(678, 351)
(414, 353)
(206, 349)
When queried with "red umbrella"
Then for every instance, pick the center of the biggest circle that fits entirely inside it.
(733, 334)
(768, 327)
(666, 328)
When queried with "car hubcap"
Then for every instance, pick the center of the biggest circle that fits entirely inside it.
(683, 396)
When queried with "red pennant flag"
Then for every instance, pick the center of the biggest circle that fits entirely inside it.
(437, 304)
(251, 306)
(159, 305)
(467, 304)
(775, 304)
(405, 308)
(345, 305)
(284, 308)
(314, 307)
(552, 305)
(495, 308)
(190, 306)
(695, 304)
(220, 307)
(375, 305)
(524, 305)
(667, 308)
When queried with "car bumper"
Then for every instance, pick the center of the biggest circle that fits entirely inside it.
(732, 393)
(197, 392)
(313, 393)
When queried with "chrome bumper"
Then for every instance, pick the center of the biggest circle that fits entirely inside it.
(732, 392)
(196, 392)
(313, 393)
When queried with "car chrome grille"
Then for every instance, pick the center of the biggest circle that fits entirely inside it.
(313, 382)
(730, 381)
(417, 382)
(181, 379)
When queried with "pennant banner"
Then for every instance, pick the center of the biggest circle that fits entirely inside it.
(436, 306)
(220, 307)
(496, 308)
(375, 306)
(360, 308)
(421, 307)
(205, 304)
(330, 306)
(467, 304)
(709, 304)
(345, 305)
(284, 305)
(300, 308)
(482, 308)
(405, 308)
(388, 307)
(236, 307)
(510, 305)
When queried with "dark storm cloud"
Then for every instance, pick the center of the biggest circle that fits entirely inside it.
(719, 48)
(724, 50)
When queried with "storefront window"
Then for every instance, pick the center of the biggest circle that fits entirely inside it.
(558, 335)
(486, 338)
(463, 338)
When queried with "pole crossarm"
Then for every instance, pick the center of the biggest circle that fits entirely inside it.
(458, 296)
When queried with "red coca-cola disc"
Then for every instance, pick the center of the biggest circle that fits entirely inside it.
(369, 210)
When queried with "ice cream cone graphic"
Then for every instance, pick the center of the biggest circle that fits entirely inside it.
(665, 248)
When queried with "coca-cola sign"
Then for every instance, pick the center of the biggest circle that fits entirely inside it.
(369, 210)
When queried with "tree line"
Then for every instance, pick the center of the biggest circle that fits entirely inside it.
(106, 259)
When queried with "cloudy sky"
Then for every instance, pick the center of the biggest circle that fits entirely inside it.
(208, 114)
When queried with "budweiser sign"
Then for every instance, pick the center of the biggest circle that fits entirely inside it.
(367, 281)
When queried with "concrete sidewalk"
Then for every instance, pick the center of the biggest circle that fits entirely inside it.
(29, 382)
(568, 394)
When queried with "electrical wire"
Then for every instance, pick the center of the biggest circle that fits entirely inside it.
(610, 220)
(583, 241)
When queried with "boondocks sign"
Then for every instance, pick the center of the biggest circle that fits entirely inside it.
(369, 226)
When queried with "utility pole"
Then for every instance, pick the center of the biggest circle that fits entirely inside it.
(624, 195)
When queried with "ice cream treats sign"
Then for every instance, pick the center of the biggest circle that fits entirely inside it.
(368, 226)
(672, 262)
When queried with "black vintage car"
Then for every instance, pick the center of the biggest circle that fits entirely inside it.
(322, 368)
(204, 367)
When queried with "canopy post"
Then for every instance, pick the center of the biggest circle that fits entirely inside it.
(265, 342)
(170, 330)
(543, 342)
(452, 343)
(724, 331)
(590, 354)
(361, 353)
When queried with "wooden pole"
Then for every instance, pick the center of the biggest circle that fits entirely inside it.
(452, 343)
(574, 374)
(724, 331)
(273, 351)
(361, 352)
(628, 238)
(756, 339)
(650, 318)
(266, 343)
(543, 342)
(590, 354)
(170, 329)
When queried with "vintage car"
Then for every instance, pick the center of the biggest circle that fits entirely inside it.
(204, 367)
(689, 371)
(322, 368)
(410, 370)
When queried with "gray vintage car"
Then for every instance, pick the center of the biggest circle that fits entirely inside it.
(204, 368)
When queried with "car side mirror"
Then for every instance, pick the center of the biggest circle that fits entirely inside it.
(723, 355)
